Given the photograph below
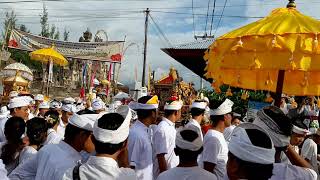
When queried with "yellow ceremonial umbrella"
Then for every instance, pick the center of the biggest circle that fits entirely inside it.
(49, 54)
(279, 53)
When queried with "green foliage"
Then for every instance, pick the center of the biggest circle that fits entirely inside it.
(24, 28)
(23, 57)
(46, 31)
(66, 35)
(9, 23)
(240, 105)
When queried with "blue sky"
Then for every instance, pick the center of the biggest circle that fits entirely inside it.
(120, 18)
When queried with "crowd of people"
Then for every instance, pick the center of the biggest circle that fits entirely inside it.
(76, 139)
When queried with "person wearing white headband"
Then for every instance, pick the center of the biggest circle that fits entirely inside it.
(215, 149)
(299, 133)
(164, 138)
(234, 123)
(68, 100)
(197, 112)
(189, 145)
(309, 150)
(139, 141)
(67, 111)
(39, 98)
(18, 107)
(43, 108)
(52, 161)
(56, 105)
(13, 94)
(110, 135)
(279, 128)
(251, 156)
(98, 106)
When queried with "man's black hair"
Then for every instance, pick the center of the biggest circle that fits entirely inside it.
(54, 114)
(168, 113)
(72, 132)
(111, 121)
(86, 111)
(197, 112)
(215, 119)
(36, 130)
(12, 109)
(144, 113)
(186, 155)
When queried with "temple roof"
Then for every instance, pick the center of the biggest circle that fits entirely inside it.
(191, 55)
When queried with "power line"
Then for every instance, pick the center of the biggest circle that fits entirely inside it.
(194, 27)
(205, 28)
(225, 3)
(161, 32)
(214, 7)
(221, 15)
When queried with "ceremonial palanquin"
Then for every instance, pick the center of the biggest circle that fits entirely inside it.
(173, 85)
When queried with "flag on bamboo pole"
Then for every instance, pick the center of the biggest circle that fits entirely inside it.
(109, 78)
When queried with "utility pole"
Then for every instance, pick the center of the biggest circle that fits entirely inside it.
(147, 11)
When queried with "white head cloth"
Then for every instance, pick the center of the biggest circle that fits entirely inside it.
(44, 105)
(55, 104)
(241, 146)
(4, 111)
(199, 105)
(69, 108)
(278, 139)
(206, 100)
(19, 101)
(117, 104)
(114, 136)
(174, 105)
(98, 104)
(80, 107)
(195, 145)
(39, 97)
(29, 99)
(299, 130)
(13, 94)
(84, 121)
(69, 100)
(224, 108)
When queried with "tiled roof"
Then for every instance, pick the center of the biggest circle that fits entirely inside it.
(199, 44)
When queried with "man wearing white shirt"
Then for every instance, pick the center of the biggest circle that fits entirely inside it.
(188, 146)
(299, 133)
(197, 111)
(3, 171)
(43, 108)
(38, 99)
(164, 138)
(252, 153)
(309, 150)
(67, 112)
(234, 123)
(215, 148)
(18, 107)
(139, 141)
(110, 134)
(53, 160)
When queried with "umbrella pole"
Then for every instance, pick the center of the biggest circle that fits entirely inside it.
(279, 89)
